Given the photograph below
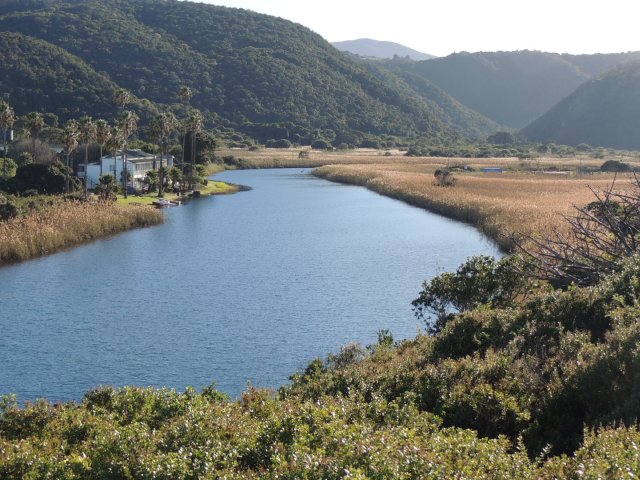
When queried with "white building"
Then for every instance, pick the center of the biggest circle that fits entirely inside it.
(138, 164)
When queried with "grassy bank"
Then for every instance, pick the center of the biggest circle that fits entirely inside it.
(57, 224)
(65, 224)
(497, 204)
(212, 188)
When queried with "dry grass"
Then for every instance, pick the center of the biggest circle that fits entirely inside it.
(66, 224)
(289, 157)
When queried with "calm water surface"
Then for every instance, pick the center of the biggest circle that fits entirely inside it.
(233, 289)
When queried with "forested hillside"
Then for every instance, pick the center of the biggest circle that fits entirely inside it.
(36, 75)
(604, 111)
(511, 88)
(264, 76)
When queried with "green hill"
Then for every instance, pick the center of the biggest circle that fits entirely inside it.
(511, 88)
(39, 76)
(604, 111)
(261, 75)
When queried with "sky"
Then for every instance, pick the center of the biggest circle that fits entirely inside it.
(442, 27)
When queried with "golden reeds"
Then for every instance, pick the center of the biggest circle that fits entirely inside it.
(65, 224)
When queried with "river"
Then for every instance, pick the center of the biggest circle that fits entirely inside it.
(239, 289)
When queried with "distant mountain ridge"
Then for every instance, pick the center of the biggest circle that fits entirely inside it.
(260, 75)
(604, 111)
(367, 47)
(511, 88)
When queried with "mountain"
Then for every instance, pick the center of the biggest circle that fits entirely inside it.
(511, 88)
(260, 75)
(36, 75)
(453, 112)
(367, 47)
(605, 111)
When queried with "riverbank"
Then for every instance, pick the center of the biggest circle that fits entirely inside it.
(520, 200)
(498, 205)
(65, 224)
(211, 188)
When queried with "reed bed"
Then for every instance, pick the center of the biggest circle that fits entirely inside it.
(66, 224)
(499, 205)
(290, 157)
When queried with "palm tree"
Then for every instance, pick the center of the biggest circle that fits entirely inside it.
(103, 133)
(195, 122)
(7, 119)
(128, 125)
(34, 123)
(70, 139)
(162, 126)
(185, 94)
(87, 136)
(113, 145)
(122, 98)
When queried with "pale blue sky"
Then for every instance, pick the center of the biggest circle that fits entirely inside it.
(445, 26)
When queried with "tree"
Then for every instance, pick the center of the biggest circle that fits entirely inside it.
(128, 125)
(87, 136)
(195, 122)
(107, 188)
(185, 94)
(122, 98)
(151, 180)
(70, 137)
(34, 122)
(176, 176)
(161, 128)
(114, 144)
(47, 179)
(7, 119)
(480, 280)
(103, 133)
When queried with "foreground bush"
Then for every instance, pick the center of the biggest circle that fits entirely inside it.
(147, 433)
(539, 371)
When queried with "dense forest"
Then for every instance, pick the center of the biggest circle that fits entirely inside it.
(260, 75)
(604, 111)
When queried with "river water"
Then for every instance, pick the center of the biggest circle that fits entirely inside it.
(237, 289)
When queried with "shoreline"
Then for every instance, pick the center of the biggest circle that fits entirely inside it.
(467, 214)
(67, 224)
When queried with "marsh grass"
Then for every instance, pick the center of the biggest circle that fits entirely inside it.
(65, 224)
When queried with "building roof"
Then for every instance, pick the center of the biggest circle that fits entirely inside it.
(134, 155)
